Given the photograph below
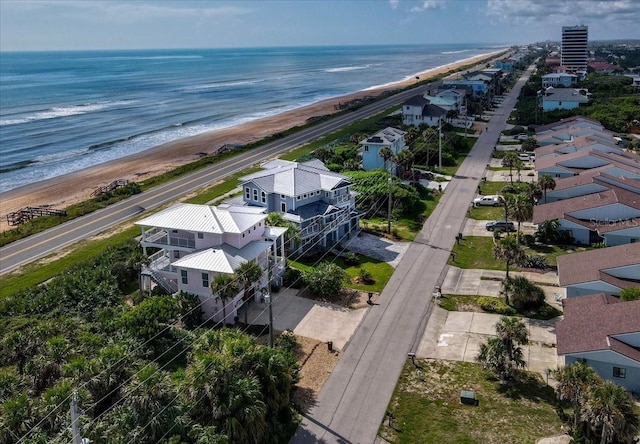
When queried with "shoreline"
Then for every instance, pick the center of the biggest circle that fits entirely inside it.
(62, 191)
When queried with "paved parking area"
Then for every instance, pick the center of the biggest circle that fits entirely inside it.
(306, 317)
(457, 336)
(377, 247)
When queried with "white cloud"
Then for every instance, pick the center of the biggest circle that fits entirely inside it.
(394, 3)
(429, 4)
(565, 12)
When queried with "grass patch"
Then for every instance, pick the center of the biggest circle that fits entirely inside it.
(426, 406)
(40, 271)
(551, 252)
(465, 302)
(381, 271)
(477, 252)
(486, 213)
(493, 187)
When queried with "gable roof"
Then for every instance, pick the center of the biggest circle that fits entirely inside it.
(564, 94)
(622, 158)
(591, 322)
(224, 259)
(293, 178)
(560, 209)
(569, 122)
(416, 101)
(205, 218)
(433, 111)
(586, 266)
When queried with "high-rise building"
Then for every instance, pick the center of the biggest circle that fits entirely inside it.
(573, 54)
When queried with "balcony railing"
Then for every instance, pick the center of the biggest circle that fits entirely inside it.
(159, 236)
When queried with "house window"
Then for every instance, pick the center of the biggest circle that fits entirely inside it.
(184, 276)
(255, 195)
(282, 196)
(264, 197)
(200, 235)
(560, 103)
(298, 197)
(176, 254)
(366, 148)
(247, 193)
(619, 372)
(205, 280)
(283, 207)
(304, 197)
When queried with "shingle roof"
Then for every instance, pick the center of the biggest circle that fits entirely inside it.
(564, 94)
(416, 101)
(591, 322)
(433, 111)
(560, 209)
(205, 218)
(624, 158)
(585, 266)
(568, 123)
(294, 179)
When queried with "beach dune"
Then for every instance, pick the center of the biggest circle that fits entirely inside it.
(75, 187)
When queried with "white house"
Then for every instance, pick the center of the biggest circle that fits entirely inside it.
(559, 79)
(418, 110)
(198, 242)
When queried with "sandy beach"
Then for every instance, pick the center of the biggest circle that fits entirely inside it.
(63, 191)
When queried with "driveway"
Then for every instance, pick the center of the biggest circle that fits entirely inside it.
(377, 247)
(306, 317)
(457, 336)
(474, 227)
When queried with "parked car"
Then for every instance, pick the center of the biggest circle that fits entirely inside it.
(524, 157)
(500, 224)
(487, 201)
(522, 136)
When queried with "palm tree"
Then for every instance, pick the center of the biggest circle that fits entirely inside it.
(292, 236)
(521, 210)
(532, 192)
(512, 332)
(248, 274)
(610, 410)
(494, 355)
(574, 381)
(386, 154)
(511, 160)
(226, 287)
(510, 250)
(405, 159)
(545, 183)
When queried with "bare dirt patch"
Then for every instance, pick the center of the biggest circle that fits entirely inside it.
(347, 298)
(316, 363)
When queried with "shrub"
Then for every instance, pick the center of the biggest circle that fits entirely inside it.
(630, 294)
(365, 276)
(494, 305)
(325, 280)
(292, 278)
(534, 261)
(351, 259)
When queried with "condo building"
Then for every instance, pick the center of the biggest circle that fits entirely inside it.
(574, 48)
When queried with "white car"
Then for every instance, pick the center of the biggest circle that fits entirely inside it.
(524, 157)
(522, 136)
(487, 201)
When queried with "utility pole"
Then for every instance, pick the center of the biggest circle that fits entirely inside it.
(389, 208)
(440, 144)
(269, 301)
(75, 428)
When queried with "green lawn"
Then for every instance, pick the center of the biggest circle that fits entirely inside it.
(476, 252)
(465, 302)
(426, 407)
(551, 252)
(381, 271)
(486, 213)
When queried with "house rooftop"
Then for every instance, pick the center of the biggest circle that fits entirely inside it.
(386, 136)
(569, 122)
(565, 94)
(562, 208)
(205, 218)
(294, 179)
(224, 259)
(416, 101)
(592, 322)
(593, 265)
(600, 157)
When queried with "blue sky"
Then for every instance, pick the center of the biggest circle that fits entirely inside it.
(131, 24)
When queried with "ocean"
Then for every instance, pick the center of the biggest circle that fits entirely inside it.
(65, 111)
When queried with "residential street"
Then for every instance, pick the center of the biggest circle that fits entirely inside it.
(353, 402)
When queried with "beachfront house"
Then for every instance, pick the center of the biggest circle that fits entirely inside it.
(603, 331)
(318, 201)
(391, 138)
(418, 110)
(196, 243)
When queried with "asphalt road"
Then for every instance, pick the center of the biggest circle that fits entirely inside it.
(53, 240)
(353, 402)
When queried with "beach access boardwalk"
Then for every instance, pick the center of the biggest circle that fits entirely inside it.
(353, 402)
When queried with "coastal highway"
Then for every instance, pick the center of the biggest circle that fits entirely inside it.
(55, 239)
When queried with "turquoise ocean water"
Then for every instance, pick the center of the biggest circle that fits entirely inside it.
(65, 111)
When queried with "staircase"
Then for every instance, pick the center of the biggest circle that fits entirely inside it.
(162, 282)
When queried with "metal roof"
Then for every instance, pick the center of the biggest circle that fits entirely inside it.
(205, 218)
(225, 259)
